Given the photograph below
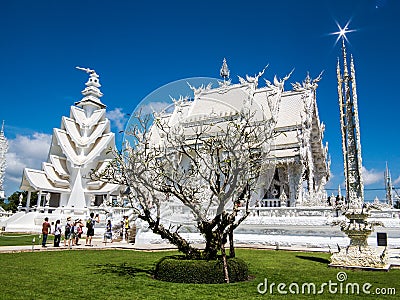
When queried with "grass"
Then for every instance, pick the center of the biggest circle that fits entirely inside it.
(20, 239)
(127, 274)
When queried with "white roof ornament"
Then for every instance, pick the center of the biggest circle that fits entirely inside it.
(91, 93)
(254, 79)
(308, 83)
(224, 72)
(87, 70)
(278, 83)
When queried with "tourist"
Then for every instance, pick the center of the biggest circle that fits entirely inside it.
(57, 233)
(79, 231)
(108, 233)
(45, 231)
(67, 232)
(90, 223)
(74, 232)
(329, 202)
(126, 227)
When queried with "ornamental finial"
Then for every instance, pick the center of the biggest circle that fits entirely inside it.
(87, 70)
(224, 72)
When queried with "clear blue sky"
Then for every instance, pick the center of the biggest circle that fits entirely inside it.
(137, 46)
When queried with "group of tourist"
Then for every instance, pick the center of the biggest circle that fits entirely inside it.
(73, 231)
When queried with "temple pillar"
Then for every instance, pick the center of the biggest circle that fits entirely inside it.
(295, 172)
(39, 200)
(28, 201)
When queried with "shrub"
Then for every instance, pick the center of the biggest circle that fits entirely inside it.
(180, 269)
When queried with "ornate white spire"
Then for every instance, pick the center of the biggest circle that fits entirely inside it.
(91, 93)
(350, 133)
(388, 186)
(224, 72)
(342, 121)
(3, 151)
(357, 122)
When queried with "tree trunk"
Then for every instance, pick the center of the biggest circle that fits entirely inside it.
(231, 243)
(212, 244)
(173, 237)
(225, 263)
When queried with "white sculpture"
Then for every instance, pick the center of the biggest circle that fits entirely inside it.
(356, 227)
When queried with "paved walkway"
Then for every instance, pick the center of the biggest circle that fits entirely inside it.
(394, 254)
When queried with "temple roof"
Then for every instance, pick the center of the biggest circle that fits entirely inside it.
(34, 180)
(81, 144)
(298, 126)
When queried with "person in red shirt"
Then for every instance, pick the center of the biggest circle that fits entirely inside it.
(45, 231)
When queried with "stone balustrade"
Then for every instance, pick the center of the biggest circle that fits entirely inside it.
(298, 211)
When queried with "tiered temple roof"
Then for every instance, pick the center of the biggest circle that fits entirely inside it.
(80, 144)
(298, 150)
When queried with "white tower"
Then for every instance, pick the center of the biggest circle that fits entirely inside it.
(388, 186)
(81, 144)
(3, 151)
(350, 129)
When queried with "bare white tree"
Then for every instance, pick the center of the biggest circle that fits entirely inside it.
(210, 167)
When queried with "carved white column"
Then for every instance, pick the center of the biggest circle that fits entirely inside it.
(295, 171)
(92, 200)
(28, 201)
(39, 199)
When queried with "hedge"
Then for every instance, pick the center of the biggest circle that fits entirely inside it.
(181, 269)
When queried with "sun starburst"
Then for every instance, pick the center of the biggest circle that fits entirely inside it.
(342, 32)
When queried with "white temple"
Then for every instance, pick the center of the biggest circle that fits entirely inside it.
(82, 143)
(3, 151)
(298, 165)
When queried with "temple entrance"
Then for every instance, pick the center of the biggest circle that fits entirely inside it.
(98, 200)
(278, 184)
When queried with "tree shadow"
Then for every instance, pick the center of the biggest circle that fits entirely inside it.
(122, 270)
(316, 259)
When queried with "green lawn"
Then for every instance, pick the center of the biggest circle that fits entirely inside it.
(20, 239)
(127, 274)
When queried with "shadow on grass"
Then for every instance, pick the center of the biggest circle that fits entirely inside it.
(316, 259)
(122, 270)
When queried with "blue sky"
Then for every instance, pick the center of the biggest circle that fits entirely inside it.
(138, 46)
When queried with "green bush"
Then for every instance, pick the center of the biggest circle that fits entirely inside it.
(180, 269)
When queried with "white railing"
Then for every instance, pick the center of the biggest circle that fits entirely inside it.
(297, 211)
(182, 213)
(293, 212)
